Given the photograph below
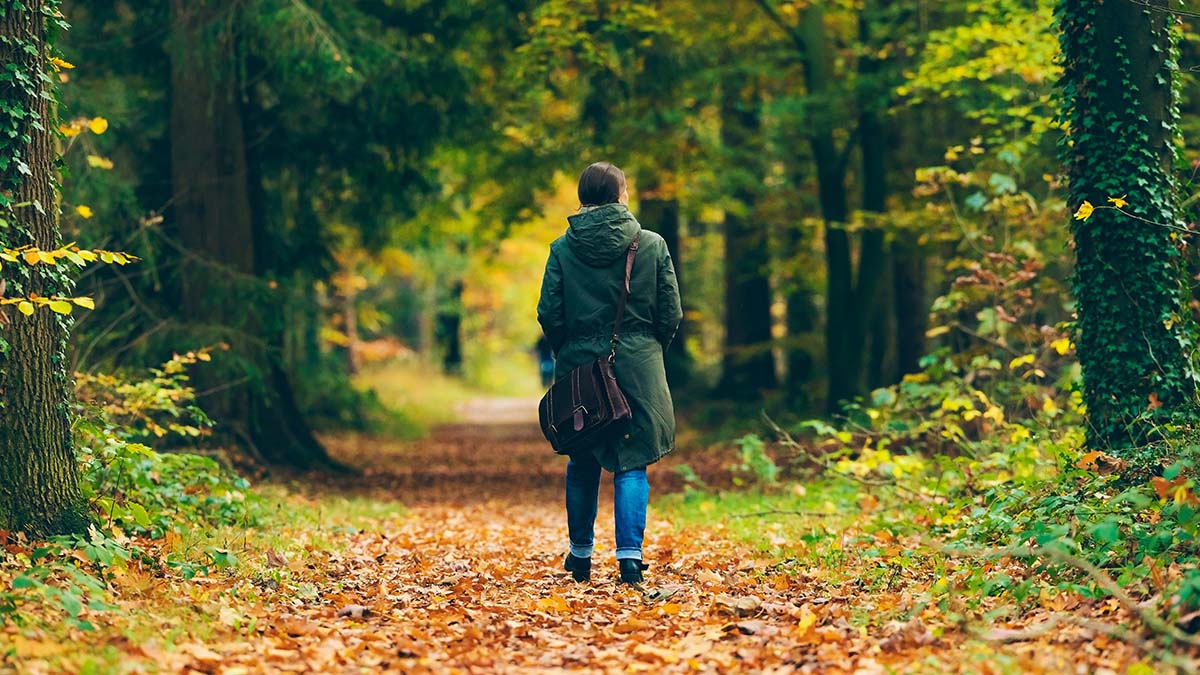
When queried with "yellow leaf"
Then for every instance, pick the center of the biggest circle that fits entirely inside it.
(1118, 202)
(554, 603)
(60, 306)
(936, 331)
(1085, 211)
(85, 211)
(69, 130)
(1062, 346)
(98, 125)
(805, 622)
(86, 303)
(98, 162)
(31, 256)
(1020, 361)
(1048, 405)
(25, 307)
(89, 256)
(59, 63)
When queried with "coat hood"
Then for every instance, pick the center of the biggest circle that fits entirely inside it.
(600, 235)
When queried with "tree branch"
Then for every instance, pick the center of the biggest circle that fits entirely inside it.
(788, 30)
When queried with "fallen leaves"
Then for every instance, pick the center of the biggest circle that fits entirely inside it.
(470, 581)
(746, 605)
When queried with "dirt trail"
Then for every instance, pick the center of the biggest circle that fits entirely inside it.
(471, 582)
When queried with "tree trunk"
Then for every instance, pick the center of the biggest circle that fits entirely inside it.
(449, 330)
(1136, 337)
(872, 292)
(911, 312)
(39, 478)
(802, 317)
(881, 333)
(748, 367)
(849, 303)
(350, 316)
(219, 286)
(831, 189)
(660, 213)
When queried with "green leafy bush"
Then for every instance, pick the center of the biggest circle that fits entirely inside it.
(133, 491)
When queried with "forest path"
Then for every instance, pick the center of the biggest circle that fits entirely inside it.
(469, 580)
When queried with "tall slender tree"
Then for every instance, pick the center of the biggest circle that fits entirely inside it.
(1136, 342)
(39, 478)
(748, 367)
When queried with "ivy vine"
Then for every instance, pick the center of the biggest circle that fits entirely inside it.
(1136, 338)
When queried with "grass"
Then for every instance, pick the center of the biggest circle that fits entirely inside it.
(419, 393)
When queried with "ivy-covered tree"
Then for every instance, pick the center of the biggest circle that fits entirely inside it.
(39, 481)
(1136, 338)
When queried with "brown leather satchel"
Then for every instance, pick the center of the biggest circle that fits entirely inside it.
(587, 407)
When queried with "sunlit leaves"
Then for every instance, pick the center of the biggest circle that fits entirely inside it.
(32, 255)
(1085, 211)
(58, 305)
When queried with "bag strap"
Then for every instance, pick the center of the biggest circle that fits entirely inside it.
(616, 332)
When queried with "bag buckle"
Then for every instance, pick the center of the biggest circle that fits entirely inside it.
(578, 416)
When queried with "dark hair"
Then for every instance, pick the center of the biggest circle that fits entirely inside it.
(601, 183)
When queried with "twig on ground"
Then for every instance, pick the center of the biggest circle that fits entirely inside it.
(1122, 633)
(1007, 635)
(1151, 620)
(785, 512)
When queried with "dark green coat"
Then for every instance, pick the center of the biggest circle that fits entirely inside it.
(580, 291)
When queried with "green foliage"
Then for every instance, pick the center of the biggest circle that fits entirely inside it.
(129, 484)
(133, 491)
(755, 466)
(65, 575)
(997, 68)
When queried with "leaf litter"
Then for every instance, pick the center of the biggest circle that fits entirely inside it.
(470, 580)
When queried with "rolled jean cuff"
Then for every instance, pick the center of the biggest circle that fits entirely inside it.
(629, 554)
(582, 551)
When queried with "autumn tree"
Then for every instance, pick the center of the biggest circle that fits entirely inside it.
(1136, 339)
(39, 482)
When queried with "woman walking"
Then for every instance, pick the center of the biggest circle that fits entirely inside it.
(580, 291)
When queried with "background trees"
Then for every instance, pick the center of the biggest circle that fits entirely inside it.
(324, 185)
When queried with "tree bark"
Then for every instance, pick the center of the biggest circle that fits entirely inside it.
(219, 284)
(831, 192)
(449, 329)
(748, 367)
(872, 291)
(39, 477)
(1136, 337)
(660, 213)
(911, 312)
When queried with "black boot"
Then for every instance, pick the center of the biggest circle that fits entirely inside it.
(580, 568)
(631, 570)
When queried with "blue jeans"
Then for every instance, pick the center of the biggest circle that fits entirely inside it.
(631, 493)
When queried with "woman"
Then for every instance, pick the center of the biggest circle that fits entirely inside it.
(580, 290)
